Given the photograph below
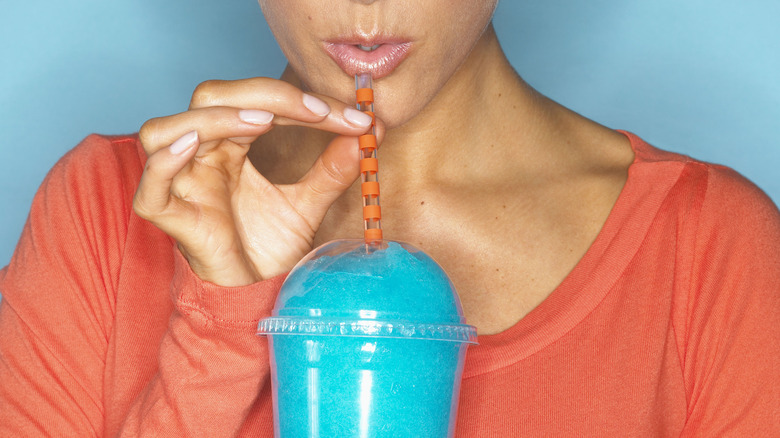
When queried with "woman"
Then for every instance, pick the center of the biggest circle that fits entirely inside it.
(618, 289)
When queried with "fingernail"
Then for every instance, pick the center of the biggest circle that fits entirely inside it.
(184, 143)
(315, 105)
(256, 117)
(357, 117)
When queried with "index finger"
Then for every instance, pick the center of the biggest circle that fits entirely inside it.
(290, 105)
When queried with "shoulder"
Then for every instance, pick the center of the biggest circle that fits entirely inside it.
(738, 230)
(101, 171)
(731, 197)
(721, 194)
(82, 209)
(722, 223)
(102, 156)
(730, 227)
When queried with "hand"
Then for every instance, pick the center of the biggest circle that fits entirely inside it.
(231, 224)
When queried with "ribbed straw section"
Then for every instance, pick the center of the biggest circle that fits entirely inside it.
(369, 167)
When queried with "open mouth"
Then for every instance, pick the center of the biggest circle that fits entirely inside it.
(368, 48)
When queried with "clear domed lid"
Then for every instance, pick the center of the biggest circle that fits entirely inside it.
(383, 288)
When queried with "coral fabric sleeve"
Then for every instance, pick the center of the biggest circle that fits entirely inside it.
(668, 326)
(59, 308)
(212, 365)
(728, 330)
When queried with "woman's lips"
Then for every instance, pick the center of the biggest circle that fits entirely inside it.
(380, 62)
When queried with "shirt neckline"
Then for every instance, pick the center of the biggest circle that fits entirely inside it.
(594, 275)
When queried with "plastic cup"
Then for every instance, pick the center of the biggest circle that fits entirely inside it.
(366, 341)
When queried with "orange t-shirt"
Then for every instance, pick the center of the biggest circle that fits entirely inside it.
(668, 326)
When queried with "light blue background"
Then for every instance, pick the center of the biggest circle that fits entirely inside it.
(698, 77)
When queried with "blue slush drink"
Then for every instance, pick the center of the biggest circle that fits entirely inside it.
(366, 341)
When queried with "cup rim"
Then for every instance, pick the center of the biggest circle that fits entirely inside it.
(399, 329)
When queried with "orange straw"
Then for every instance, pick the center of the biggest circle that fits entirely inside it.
(372, 213)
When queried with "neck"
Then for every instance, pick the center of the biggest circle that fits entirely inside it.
(481, 114)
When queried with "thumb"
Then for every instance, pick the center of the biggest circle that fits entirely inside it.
(332, 174)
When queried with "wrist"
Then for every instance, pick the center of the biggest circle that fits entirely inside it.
(227, 272)
(225, 306)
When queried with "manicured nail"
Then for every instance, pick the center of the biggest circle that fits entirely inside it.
(357, 117)
(315, 105)
(184, 143)
(256, 117)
